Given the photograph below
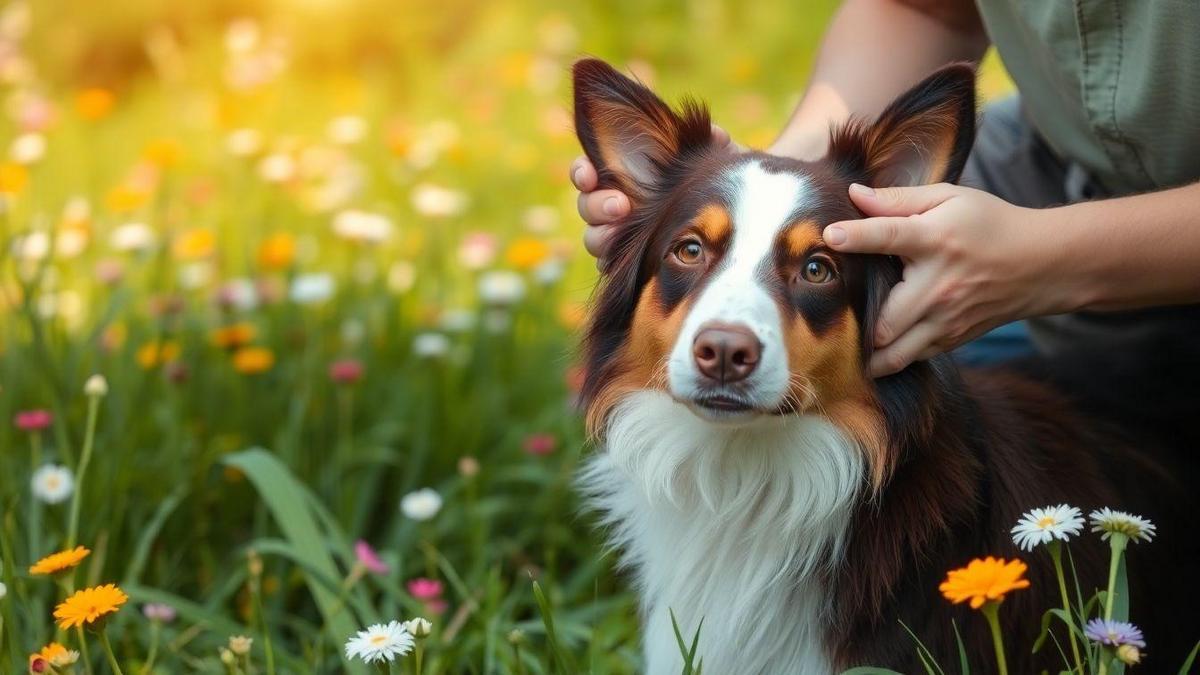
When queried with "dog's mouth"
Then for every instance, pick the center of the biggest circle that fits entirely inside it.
(727, 403)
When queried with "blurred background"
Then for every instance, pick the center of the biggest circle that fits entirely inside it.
(326, 255)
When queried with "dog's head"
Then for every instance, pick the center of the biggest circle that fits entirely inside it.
(719, 289)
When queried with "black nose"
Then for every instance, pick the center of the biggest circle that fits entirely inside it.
(726, 352)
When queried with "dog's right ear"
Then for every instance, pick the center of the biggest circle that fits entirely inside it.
(628, 133)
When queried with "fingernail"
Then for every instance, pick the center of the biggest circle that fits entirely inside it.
(835, 236)
(612, 206)
(859, 188)
(577, 175)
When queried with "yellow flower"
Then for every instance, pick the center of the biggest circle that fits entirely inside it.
(154, 354)
(984, 580)
(89, 605)
(126, 197)
(59, 562)
(13, 178)
(234, 335)
(253, 360)
(163, 152)
(94, 103)
(194, 244)
(277, 251)
(527, 253)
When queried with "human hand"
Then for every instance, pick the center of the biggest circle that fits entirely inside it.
(971, 262)
(600, 209)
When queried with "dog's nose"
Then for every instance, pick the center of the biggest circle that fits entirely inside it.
(726, 352)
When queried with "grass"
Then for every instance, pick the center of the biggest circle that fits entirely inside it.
(230, 474)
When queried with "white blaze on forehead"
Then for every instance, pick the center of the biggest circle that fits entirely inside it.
(761, 203)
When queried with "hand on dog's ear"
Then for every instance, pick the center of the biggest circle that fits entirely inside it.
(923, 137)
(628, 133)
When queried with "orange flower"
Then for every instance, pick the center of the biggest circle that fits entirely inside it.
(195, 244)
(234, 335)
(154, 354)
(253, 360)
(982, 581)
(56, 655)
(94, 103)
(277, 251)
(89, 605)
(527, 253)
(59, 562)
(13, 178)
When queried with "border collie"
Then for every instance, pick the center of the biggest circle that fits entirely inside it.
(750, 471)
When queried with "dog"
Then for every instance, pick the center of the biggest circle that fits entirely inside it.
(750, 472)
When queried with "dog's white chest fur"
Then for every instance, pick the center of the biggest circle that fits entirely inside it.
(726, 524)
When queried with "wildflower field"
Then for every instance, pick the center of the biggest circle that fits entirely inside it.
(288, 291)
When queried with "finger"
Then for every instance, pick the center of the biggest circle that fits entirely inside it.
(905, 304)
(890, 235)
(897, 356)
(598, 240)
(603, 206)
(720, 137)
(900, 201)
(583, 174)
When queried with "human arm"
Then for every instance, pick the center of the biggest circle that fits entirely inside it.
(974, 261)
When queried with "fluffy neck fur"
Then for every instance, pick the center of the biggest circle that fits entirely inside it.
(735, 526)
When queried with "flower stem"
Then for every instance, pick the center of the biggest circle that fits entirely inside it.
(991, 610)
(417, 657)
(155, 631)
(83, 650)
(1117, 543)
(1055, 549)
(85, 458)
(108, 651)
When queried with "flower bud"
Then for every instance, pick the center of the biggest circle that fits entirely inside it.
(227, 657)
(96, 386)
(240, 644)
(1129, 655)
(419, 627)
(516, 636)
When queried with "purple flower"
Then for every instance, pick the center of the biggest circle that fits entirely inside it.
(159, 612)
(1114, 633)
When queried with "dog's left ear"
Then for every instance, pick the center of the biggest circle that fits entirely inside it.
(628, 133)
(923, 137)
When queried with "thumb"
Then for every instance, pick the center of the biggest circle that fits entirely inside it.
(900, 201)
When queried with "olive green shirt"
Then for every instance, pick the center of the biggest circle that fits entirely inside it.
(1112, 85)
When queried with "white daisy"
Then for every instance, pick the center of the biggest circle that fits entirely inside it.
(437, 201)
(421, 504)
(1041, 526)
(501, 288)
(53, 483)
(362, 226)
(380, 642)
(418, 627)
(430, 345)
(1112, 522)
(308, 289)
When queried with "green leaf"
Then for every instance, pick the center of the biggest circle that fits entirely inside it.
(564, 660)
(141, 552)
(1187, 665)
(289, 503)
(964, 668)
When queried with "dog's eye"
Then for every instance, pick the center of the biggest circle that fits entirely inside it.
(690, 252)
(817, 271)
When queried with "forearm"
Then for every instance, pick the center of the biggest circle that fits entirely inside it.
(1124, 253)
(874, 50)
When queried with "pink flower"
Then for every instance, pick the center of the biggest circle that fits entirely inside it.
(368, 558)
(156, 611)
(540, 444)
(33, 420)
(425, 589)
(346, 371)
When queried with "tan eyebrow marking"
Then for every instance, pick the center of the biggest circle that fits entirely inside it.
(714, 223)
(801, 236)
